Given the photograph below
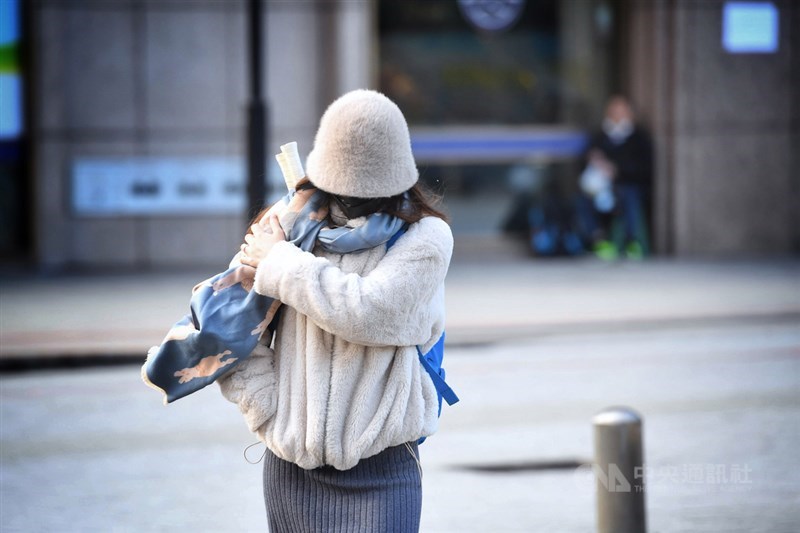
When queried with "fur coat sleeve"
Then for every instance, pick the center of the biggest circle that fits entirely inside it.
(389, 306)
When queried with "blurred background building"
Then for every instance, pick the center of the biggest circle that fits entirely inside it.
(123, 121)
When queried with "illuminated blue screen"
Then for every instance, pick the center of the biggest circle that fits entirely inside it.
(10, 82)
(750, 27)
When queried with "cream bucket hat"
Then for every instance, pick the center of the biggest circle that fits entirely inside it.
(362, 148)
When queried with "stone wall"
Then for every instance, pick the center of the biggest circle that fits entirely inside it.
(168, 78)
(726, 128)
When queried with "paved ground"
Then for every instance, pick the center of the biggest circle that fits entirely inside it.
(497, 297)
(707, 352)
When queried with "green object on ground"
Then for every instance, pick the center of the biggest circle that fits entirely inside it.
(634, 251)
(605, 250)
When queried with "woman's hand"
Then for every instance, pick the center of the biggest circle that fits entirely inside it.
(258, 244)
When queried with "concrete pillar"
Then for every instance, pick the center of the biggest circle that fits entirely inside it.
(619, 467)
(354, 35)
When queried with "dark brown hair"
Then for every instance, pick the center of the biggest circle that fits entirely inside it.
(422, 202)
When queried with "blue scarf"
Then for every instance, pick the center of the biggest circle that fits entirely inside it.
(227, 317)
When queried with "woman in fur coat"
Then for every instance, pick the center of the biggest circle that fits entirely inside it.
(340, 398)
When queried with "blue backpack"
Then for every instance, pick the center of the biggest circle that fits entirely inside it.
(432, 360)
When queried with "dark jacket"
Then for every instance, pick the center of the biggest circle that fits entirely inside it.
(633, 157)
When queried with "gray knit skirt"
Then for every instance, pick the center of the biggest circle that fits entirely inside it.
(381, 493)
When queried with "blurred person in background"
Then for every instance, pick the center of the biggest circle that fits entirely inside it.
(617, 183)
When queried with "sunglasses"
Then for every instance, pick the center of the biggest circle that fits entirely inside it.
(354, 207)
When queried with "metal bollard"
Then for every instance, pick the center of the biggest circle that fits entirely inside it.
(619, 471)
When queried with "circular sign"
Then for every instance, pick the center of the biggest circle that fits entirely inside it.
(491, 15)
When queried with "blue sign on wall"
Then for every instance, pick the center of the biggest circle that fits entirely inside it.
(750, 27)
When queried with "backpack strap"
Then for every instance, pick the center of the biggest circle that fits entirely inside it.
(444, 390)
(397, 235)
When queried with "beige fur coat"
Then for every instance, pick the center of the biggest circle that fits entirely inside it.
(344, 380)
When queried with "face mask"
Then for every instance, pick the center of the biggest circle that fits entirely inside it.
(618, 131)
